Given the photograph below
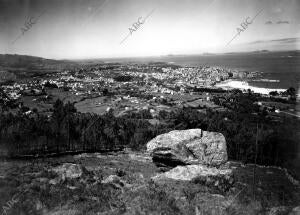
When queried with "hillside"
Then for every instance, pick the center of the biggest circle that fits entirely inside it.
(25, 61)
(23, 66)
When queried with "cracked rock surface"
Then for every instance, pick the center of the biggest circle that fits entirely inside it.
(192, 146)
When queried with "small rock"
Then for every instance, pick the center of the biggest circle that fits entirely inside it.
(68, 170)
(83, 155)
(259, 189)
(295, 211)
(116, 181)
(278, 210)
(138, 175)
(39, 205)
(111, 179)
(43, 180)
(142, 158)
(219, 196)
(54, 181)
(71, 187)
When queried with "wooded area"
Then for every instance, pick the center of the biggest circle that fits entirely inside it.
(69, 131)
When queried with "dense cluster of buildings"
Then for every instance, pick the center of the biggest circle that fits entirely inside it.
(130, 86)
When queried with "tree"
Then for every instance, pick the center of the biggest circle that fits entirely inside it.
(273, 93)
(105, 92)
(50, 85)
(292, 93)
(249, 91)
(57, 119)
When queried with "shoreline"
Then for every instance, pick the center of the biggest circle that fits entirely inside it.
(244, 85)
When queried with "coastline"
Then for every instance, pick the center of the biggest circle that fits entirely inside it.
(243, 85)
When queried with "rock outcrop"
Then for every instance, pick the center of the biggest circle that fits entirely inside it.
(193, 146)
(209, 176)
(195, 154)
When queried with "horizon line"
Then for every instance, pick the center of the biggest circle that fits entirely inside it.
(153, 56)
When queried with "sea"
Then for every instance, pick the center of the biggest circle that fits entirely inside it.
(279, 70)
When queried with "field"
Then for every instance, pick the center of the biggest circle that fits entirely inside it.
(43, 103)
(96, 105)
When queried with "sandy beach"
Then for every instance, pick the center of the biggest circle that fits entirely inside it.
(243, 85)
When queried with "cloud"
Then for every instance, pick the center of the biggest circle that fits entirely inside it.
(282, 22)
(281, 41)
(278, 22)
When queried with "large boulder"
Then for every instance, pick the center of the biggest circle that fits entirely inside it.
(193, 146)
(209, 176)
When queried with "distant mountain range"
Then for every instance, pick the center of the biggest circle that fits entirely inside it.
(14, 67)
(9, 61)
(252, 52)
(233, 53)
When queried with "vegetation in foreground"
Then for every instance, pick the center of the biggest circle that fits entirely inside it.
(45, 192)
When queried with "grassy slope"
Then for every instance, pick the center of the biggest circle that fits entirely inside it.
(141, 196)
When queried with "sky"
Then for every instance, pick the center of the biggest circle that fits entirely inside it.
(78, 29)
